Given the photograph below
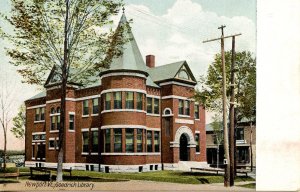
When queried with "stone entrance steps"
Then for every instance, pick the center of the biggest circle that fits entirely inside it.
(186, 165)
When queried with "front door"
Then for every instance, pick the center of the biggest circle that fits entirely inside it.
(184, 155)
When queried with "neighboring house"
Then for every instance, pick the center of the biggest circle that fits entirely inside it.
(243, 144)
(136, 117)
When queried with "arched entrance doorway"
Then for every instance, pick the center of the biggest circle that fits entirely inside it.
(184, 152)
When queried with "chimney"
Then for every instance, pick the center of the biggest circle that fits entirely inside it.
(150, 61)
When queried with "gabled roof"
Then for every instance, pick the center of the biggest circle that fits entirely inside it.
(54, 78)
(169, 71)
(39, 95)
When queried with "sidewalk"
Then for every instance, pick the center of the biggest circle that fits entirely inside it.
(132, 185)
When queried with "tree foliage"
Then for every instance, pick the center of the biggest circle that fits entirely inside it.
(18, 128)
(74, 37)
(38, 38)
(217, 129)
(210, 93)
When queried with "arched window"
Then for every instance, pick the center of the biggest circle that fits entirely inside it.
(58, 110)
(183, 74)
(167, 111)
(52, 110)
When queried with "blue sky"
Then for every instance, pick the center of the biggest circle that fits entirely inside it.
(227, 8)
(172, 30)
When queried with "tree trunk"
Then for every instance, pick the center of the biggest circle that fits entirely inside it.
(4, 151)
(60, 157)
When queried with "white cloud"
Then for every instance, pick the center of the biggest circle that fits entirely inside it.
(178, 34)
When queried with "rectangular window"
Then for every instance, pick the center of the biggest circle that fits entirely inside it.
(180, 107)
(71, 122)
(196, 111)
(85, 105)
(36, 137)
(57, 122)
(156, 141)
(43, 137)
(85, 142)
(33, 151)
(139, 140)
(197, 138)
(139, 101)
(117, 140)
(187, 107)
(37, 114)
(156, 106)
(129, 100)
(53, 122)
(95, 106)
(149, 105)
(107, 101)
(107, 140)
(51, 144)
(117, 100)
(42, 113)
(129, 140)
(239, 133)
(149, 141)
(95, 141)
(243, 155)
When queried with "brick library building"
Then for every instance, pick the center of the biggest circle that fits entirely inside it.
(137, 117)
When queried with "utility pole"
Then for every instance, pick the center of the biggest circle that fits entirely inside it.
(232, 115)
(227, 161)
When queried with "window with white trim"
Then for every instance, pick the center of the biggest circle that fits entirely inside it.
(95, 145)
(129, 140)
(85, 142)
(95, 105)
(196, 111)
(39, 114)
(139, 140)
(180, 107)
(149, 141)
(118, 100)
(156, 141)
(107, 140)
(53, 122)
(85, 107)
(117, 140)
(149, 105)
(71, 122)
(156, 106)
(107, 101)
(139, 101)
(187, 107)
(129, 100)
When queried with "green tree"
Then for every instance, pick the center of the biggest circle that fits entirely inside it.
(210, 93)
(72, 36)
(18, 128)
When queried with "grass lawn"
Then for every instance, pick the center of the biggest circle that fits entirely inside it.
(249, 185)
(161, 176)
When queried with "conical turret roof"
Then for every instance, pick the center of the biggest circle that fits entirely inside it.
(131, 58)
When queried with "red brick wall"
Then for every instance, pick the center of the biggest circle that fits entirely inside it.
(73, 144)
